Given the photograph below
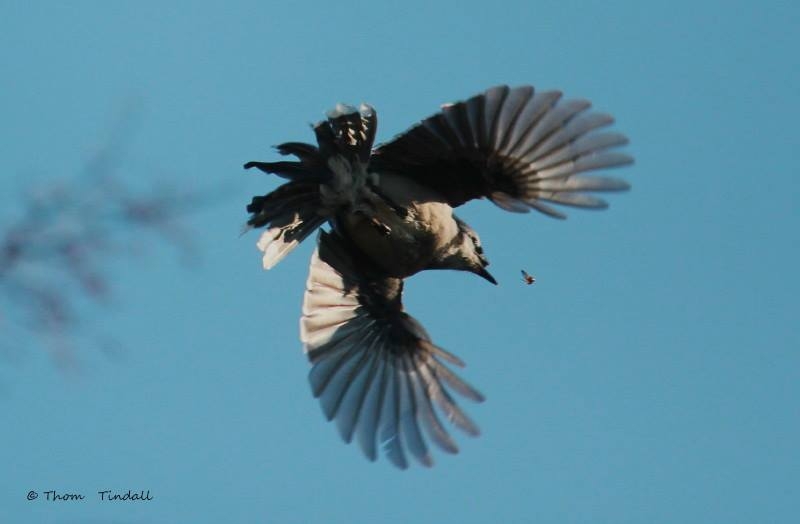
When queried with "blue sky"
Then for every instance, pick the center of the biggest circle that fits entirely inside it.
(650, 375)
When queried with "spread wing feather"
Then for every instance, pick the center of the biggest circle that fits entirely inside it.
(518, 147)
(374, 368)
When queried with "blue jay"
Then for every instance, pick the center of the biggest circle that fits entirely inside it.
(390, 209)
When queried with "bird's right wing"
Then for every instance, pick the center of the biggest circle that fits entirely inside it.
(518, 147)
(375, 369)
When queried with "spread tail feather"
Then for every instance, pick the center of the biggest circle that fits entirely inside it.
(290, 214)
(295, 209)
(348, 132)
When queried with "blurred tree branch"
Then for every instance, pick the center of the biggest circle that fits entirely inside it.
(56, 253)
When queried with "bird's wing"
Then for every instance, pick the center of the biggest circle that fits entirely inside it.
(374, 368)
(518, 147)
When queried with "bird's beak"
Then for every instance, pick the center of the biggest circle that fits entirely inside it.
(485, 274)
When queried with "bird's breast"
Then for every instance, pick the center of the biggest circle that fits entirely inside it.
(412, 237)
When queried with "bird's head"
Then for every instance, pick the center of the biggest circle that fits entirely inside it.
(466, 253)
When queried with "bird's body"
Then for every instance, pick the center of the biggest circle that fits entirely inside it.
(406, 243)
(374, 367)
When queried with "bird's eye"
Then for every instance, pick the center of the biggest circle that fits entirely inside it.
(478, 249)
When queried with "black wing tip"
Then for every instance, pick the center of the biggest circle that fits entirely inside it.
(497, 88)
(620, 185)
(625, 159)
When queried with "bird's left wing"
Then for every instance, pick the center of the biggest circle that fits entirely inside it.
(374, 368)
(519, 147)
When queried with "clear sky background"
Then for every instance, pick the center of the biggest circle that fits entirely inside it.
(650, 375)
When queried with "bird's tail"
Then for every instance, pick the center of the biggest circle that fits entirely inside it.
(290, 214)
(294, 210)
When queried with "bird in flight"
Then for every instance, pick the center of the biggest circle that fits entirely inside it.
(389, 209)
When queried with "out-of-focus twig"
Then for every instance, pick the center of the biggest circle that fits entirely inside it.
(55, 255)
